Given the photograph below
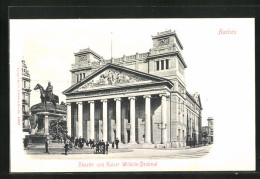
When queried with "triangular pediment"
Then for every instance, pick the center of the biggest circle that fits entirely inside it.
(112, 76)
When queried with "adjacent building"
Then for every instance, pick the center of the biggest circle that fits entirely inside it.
(208, 131)
(141, 98)
(25, 96)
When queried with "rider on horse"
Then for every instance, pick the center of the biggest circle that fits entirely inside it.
(49, 91)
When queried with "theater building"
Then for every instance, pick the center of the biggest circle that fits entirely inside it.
(141, 98)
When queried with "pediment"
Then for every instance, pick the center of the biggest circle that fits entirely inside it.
(112, 77)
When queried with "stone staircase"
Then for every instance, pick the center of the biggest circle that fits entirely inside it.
(141, 146)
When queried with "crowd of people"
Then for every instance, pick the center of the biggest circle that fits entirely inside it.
(100, 147)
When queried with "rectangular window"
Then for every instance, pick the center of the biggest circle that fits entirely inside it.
(83, 75)
(77, 78)
(167, 63)
(80, 76)
(162, 65)
(157, 65)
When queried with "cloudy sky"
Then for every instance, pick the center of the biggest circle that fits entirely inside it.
(220, 67)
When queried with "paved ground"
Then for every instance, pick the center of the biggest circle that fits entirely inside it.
(56, 152)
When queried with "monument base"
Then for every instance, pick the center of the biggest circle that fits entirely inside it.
(37, 139)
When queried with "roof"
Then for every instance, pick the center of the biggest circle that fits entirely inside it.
(195, 98)
(154, 77)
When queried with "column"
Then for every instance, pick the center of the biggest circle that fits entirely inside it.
(104, 119)
(147, 118)
(164, 118)
(132, 119)
(46, 125)
(118, 118)
(80, 120)
(69, 119)
(92, 120)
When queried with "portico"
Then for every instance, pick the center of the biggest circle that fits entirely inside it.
(128, 112)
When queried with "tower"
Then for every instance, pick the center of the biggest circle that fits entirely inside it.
(165, 58)
(86, 61)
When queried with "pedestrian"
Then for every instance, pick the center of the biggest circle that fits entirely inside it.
(107, 147)
(47, 145)
(103, 147)
(66, 147)
(97, 148)
(76, 143)
(117, 142)
(25, 143)
(87, 143)
(113, 145)
(94, 143)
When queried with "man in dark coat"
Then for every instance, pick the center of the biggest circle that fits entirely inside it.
(103, 147)
(49, 91)
(76, 143)
(113, 145)
(47, 146)
(107, 147)
(117, 142)
(97, 148)
(66, 147)
(25, 143)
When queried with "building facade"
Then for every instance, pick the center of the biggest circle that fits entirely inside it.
(25, 96)
(208, 131)
(141, 98)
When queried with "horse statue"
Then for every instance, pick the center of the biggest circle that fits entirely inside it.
(45, 98)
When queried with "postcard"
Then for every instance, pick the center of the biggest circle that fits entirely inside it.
(120, 95)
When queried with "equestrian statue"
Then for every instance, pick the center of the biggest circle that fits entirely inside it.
(47, 95)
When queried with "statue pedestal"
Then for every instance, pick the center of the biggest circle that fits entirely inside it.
(37, 139)
(40, 135)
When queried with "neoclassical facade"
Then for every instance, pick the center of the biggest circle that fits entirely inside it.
(140, 98)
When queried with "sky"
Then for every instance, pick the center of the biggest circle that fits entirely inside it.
(221, 67)
(48, 47)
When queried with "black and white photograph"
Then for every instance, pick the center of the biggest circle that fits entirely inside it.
(115, 95)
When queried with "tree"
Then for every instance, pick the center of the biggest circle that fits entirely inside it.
(58, 129)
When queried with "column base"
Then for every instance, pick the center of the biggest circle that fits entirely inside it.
(148, 142)
(131, 143)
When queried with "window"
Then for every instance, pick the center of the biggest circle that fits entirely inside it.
(80, 76)
(77, 77)
(158, 65)
(83, 75)
(24, 84)
(162, 65)
(167, 64)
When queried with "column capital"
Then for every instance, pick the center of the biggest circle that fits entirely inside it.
(80, 103)
(91, 101)
(68, 104)
(164, 95)
(117, 99)
(132, 97)
(147, 96)
(104, 100)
